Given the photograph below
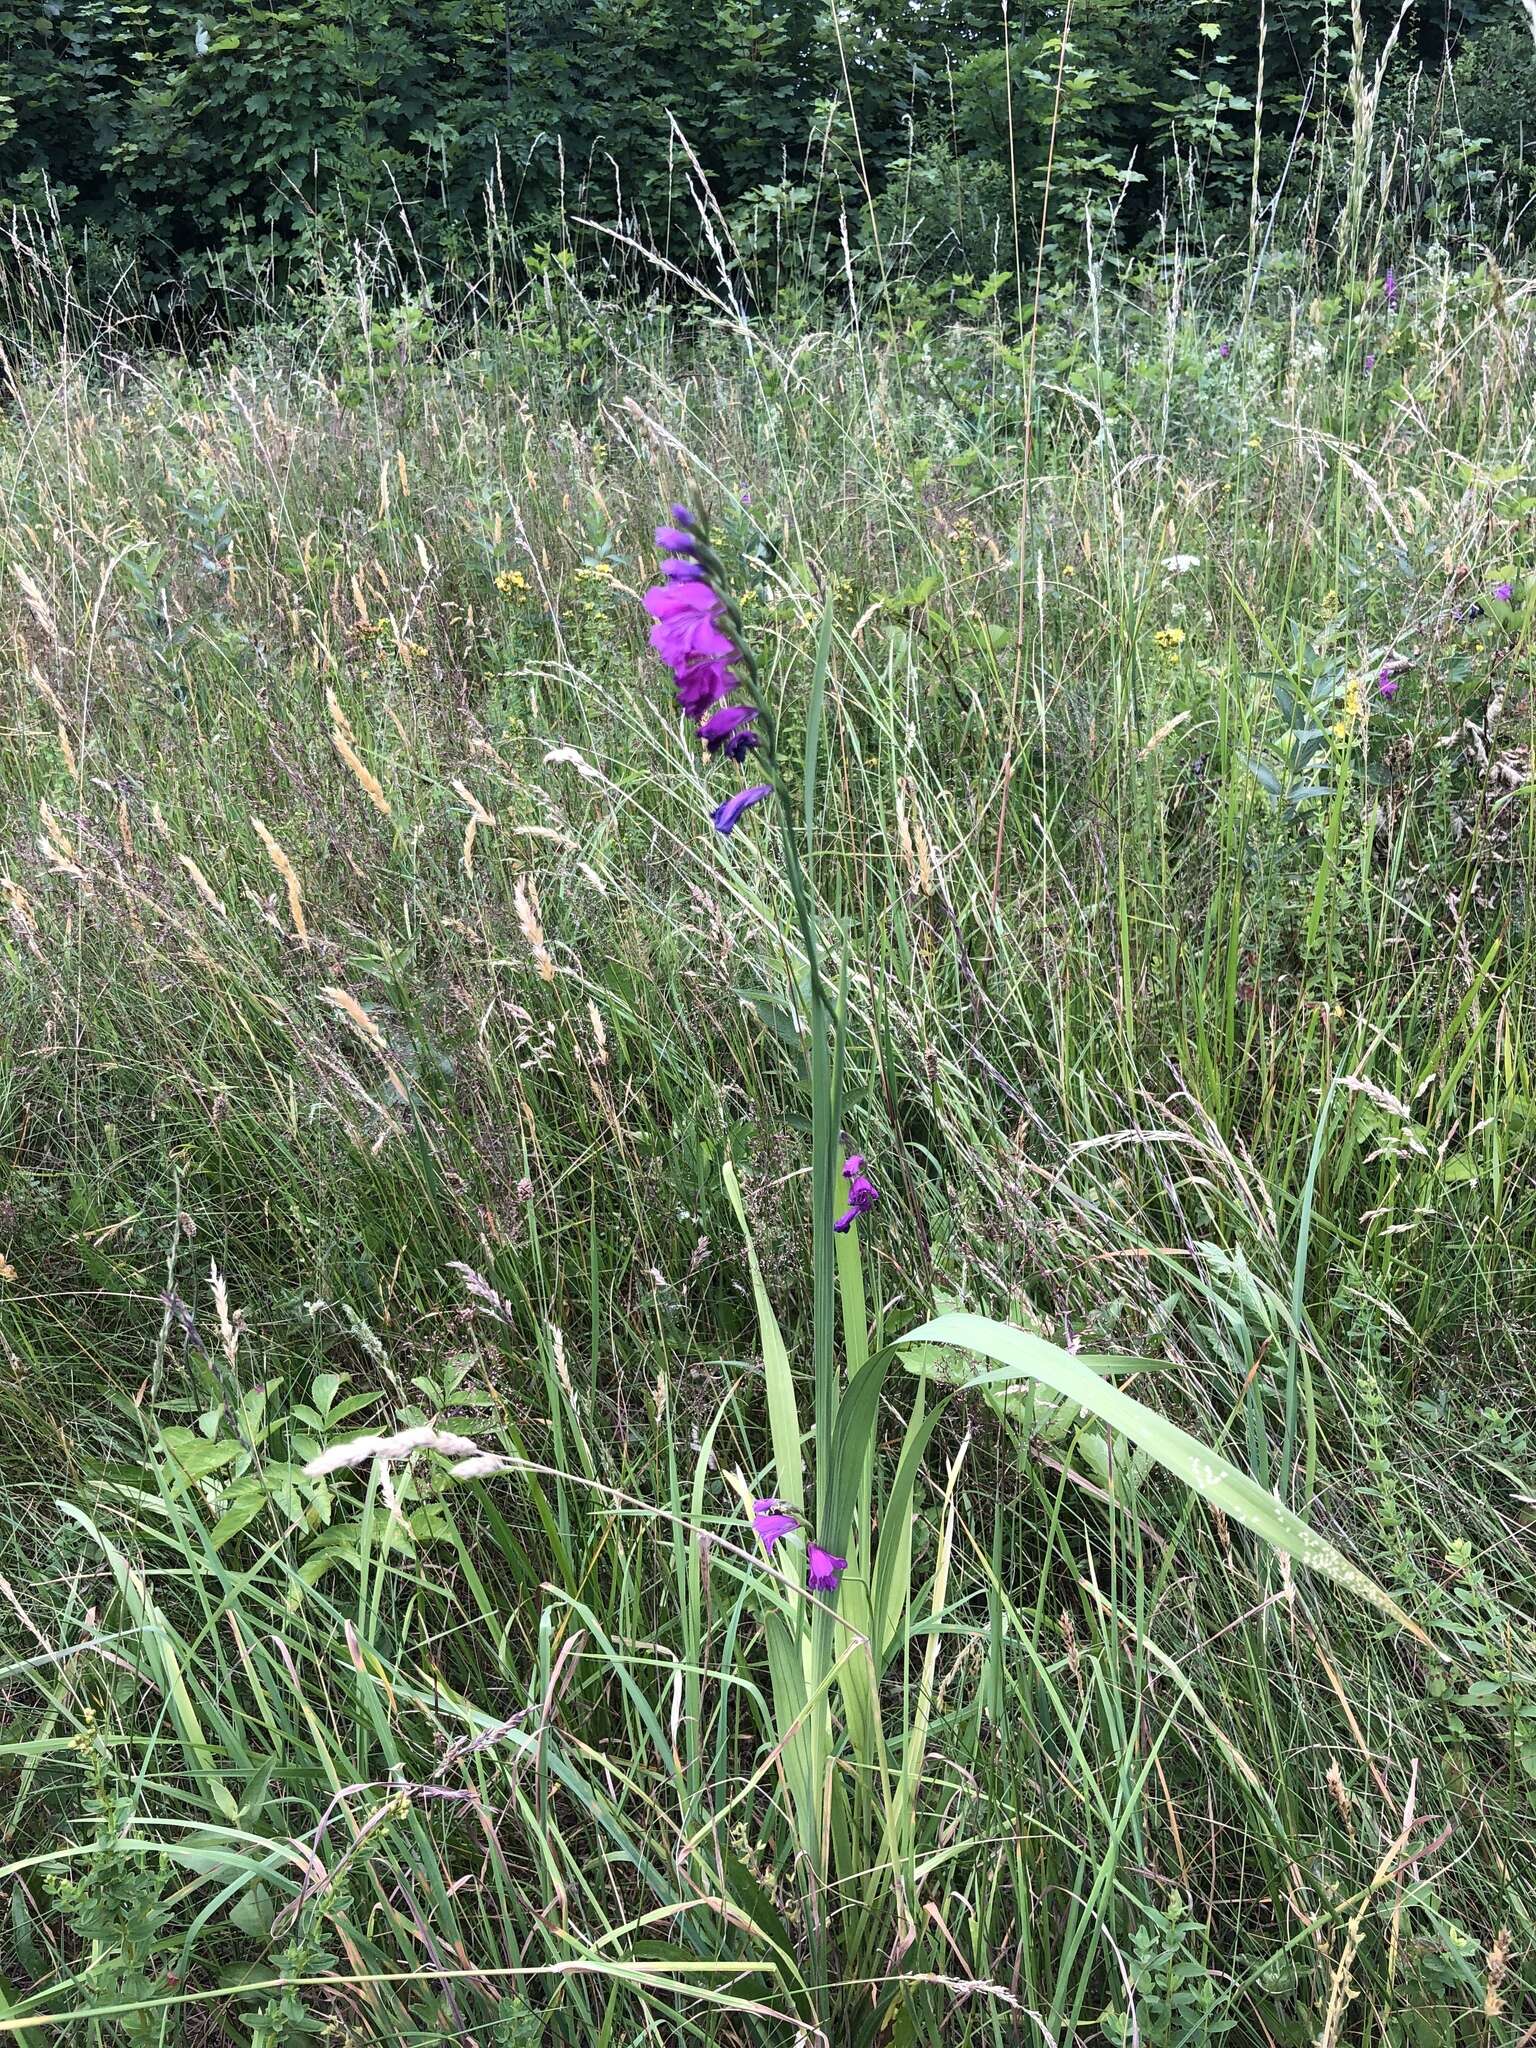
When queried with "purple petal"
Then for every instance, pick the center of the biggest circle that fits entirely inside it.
(771, 1522)
(862, 1193)
(823, 1570)
(675, 538)
(721, 726)
(681, 642)
(703, 684)
(683, 597)
(725, 818)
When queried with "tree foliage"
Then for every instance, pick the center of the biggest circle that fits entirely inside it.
(183, 136)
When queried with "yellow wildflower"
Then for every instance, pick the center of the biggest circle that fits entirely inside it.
(512, 583)
(1349, 705)
(1169, 638)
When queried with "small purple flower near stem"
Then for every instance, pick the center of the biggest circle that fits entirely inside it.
(728, 730)
(1504, 591)
(823, 1570)
(1389, 289)
(862, 1192)
(1370, 364)
(771, 1522)
(1224, 350)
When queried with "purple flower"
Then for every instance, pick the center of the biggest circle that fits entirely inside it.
(862, 1192)
(1387, 684)
(1389, 288)
(823, 1570)
(1370, 364)
(685, 630)
(1225, 350)
(689, 632)
(725, 816)
(1504, 591)
(688, 637)
(703, 684)
(771, 1522)
(729, 729)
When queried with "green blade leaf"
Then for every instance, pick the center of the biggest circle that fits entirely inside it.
(1213, 1478)
(778, 1373)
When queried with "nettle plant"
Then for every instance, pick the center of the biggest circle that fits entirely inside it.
(835, 1619)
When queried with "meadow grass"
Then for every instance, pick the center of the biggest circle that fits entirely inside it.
(380, 1016)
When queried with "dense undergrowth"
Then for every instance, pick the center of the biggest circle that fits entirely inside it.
(380, 1015)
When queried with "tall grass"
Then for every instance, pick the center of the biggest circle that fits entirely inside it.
(381, 1016)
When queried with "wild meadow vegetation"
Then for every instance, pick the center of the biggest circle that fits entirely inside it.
(396, 1058)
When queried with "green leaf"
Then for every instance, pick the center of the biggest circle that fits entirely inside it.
(778, 1373)
(1023, 1356)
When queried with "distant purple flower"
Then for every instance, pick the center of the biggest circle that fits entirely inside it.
(1370, 364)
(1504, 591)
(862, 1192)
(771, 1522)
(1387, 684)
(725, 816)
(691, 616)
(1389, 288)
(823, 1570)
(1225, 350)
(746, 500)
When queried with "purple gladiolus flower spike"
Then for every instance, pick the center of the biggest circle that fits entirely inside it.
(823, 1570)
(1389, 288)
(691, 634)
(862, 1192)
(1504, 591)
(771, 1522)
(727, 815)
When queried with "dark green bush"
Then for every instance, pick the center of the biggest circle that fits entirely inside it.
(181, 140)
